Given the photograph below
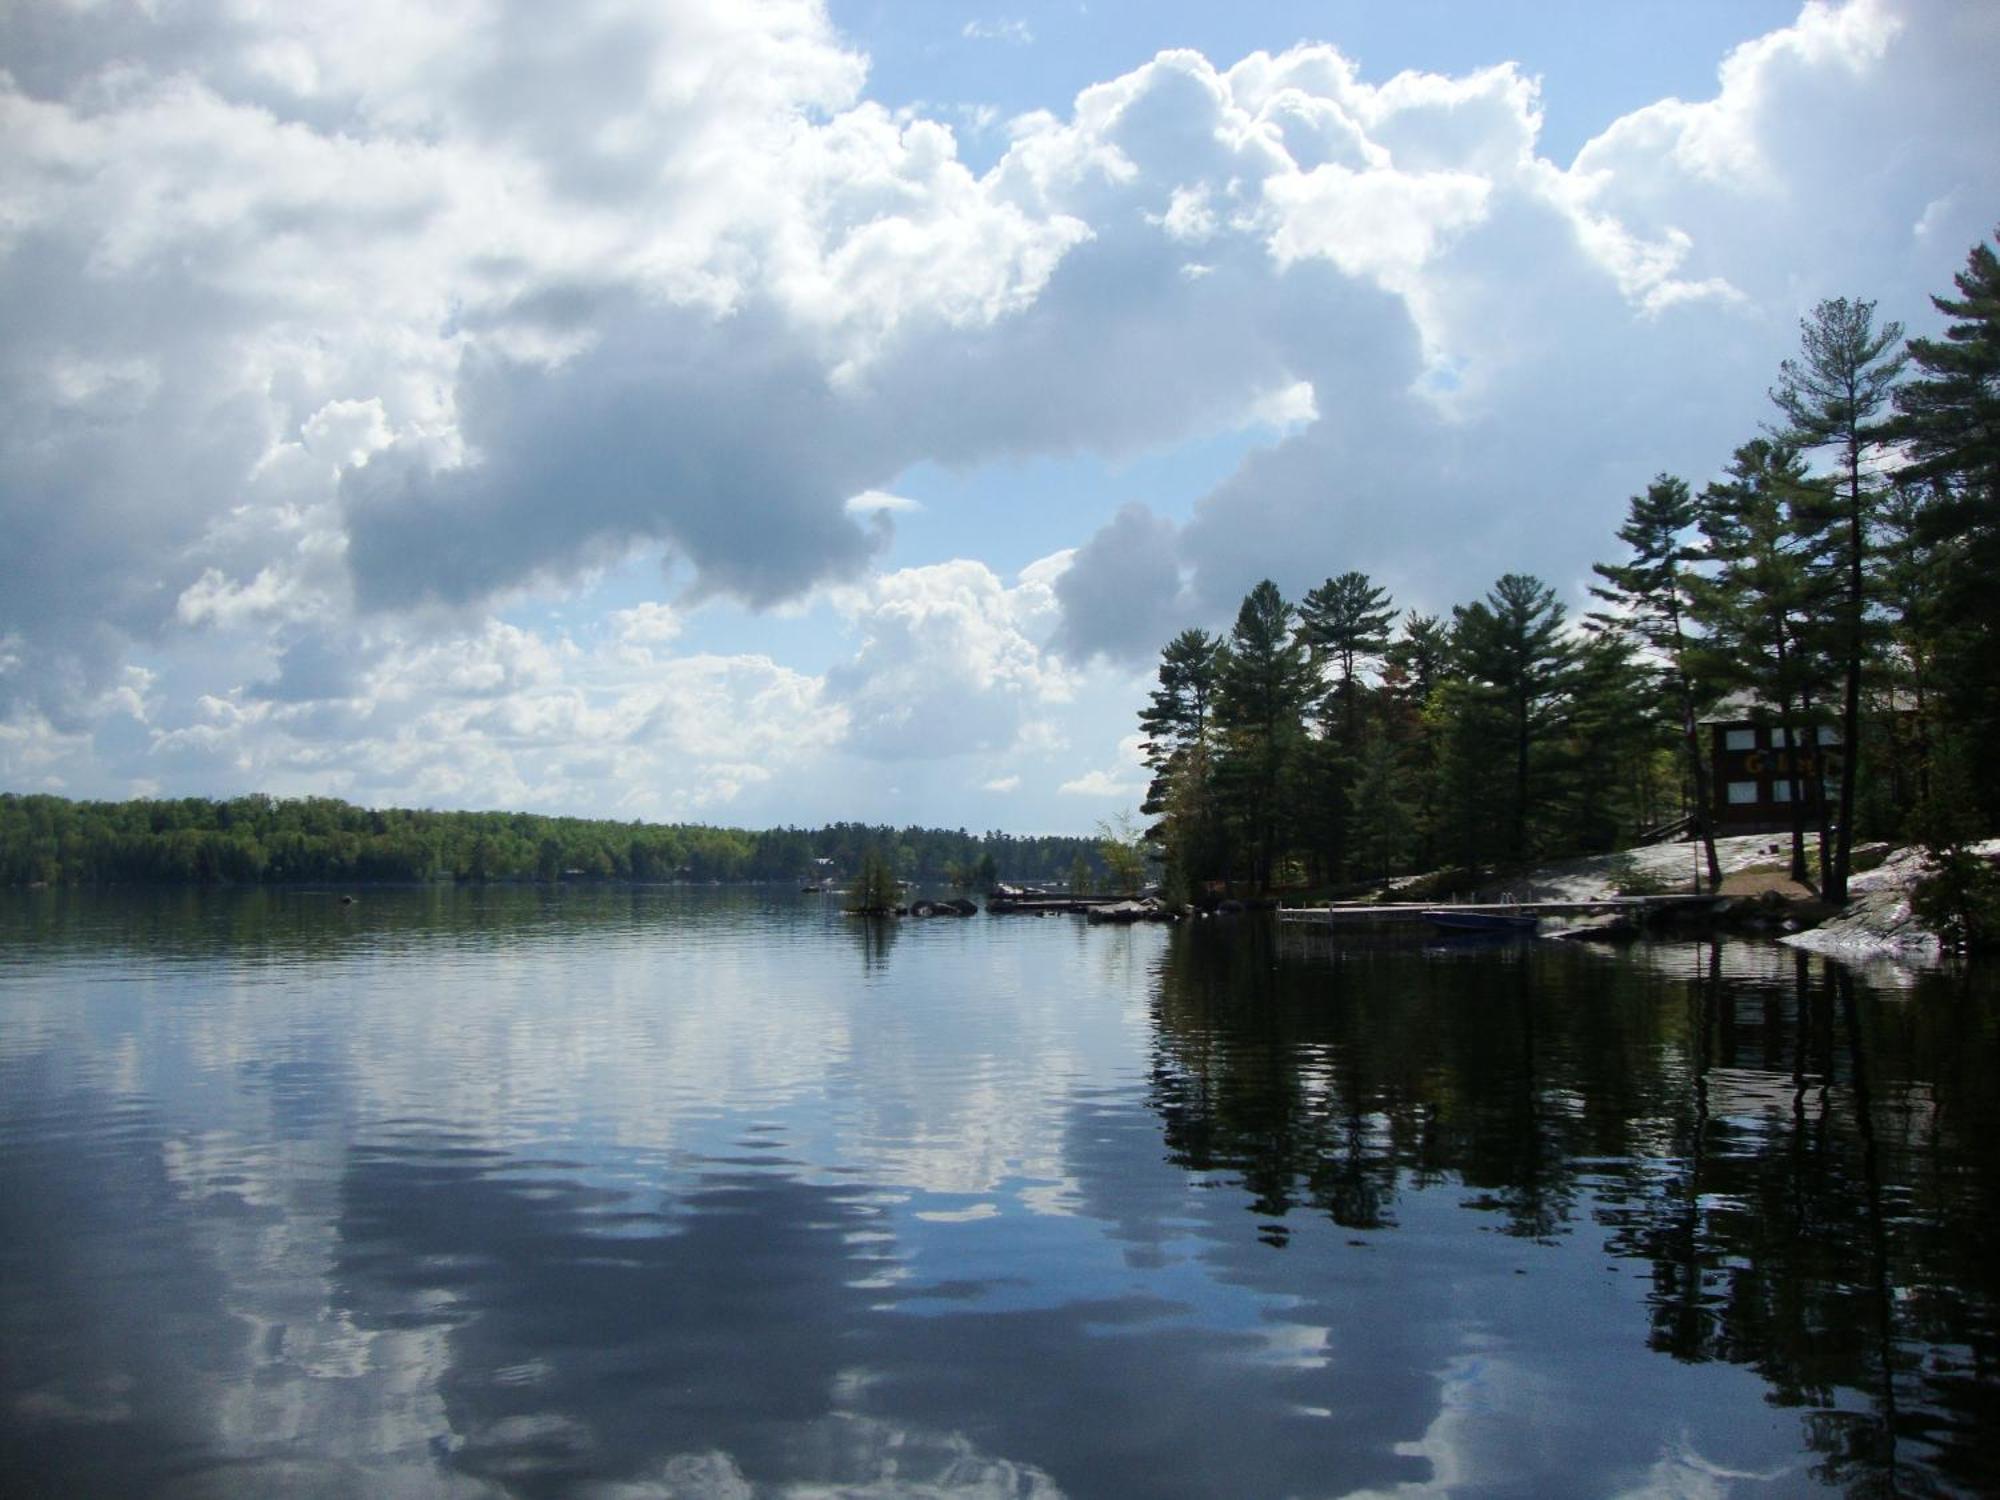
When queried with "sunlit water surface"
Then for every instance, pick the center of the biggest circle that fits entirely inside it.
(658, 1192)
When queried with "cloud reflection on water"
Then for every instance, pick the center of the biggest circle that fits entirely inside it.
(662, 1198)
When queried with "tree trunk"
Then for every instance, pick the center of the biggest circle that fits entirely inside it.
(1704, 817)
(1518, 836)
(1850, 708)
(1817, 799)
(1798, 870)
(1704, 820)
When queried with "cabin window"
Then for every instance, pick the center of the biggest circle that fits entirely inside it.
(1781, 791)
(1739, 739)
(1742, 791)
(1829, 734)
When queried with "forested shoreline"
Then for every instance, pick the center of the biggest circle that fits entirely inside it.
(1838, 576)
(257, 839)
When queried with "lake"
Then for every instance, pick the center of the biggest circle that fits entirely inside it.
(631, 1192)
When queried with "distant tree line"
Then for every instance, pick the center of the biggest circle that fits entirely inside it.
(1842, 571)
(252, 839)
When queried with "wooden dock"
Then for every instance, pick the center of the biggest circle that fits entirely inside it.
(1384, 913)
(1043, 905)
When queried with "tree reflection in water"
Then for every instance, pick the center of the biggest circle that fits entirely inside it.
(661, 1191)
(874, 937)
(1806, 1167)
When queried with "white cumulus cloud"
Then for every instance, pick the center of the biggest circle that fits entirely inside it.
(337, 337)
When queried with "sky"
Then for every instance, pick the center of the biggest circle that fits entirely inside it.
(779, 412)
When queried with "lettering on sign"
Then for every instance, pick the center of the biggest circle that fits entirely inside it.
(1757, 762)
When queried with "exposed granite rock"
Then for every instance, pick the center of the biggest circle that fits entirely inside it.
(1877, 921)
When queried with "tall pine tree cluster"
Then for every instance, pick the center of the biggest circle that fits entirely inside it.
(1841, 575)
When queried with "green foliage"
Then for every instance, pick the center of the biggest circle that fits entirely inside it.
(1648, 591)
(1345, 622)
(1177, 727)
(1124, 854)
(1177, 715)
(1382, 828)
(1517, 660)
(1618, 754)
(1080, 882)
(1837, 395)
(1757, 599)
(1502, 737)
(1959, 899)
(1651, 608)
(1262, 689)
(1950, 422)
(1345, 625)
(875, 892)
(1627, 879)
(1415, 664)
(1760, 600)
(195, 841)
(1195, 840)
(1494, 739)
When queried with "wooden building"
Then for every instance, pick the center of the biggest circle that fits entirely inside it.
(1755, 767)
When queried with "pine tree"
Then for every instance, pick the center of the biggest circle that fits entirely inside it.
(1617, 745)
(1415, 666)
(1178, 715)
(875, 889)
(1178, 723)
(1345, 622)
(1759, 605)
(1421, 654)
(1260, 694)
(1649, 599)
(1382, 829)
(1511, 646)
(1911, 580)
(1474, 778)
(1836, 395)
(1950, 423)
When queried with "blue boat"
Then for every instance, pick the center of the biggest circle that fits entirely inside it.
(1488, 923)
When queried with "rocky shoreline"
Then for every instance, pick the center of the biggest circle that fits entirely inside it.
(1877, 922)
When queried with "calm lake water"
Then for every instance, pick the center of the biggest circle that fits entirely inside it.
(655, 1192)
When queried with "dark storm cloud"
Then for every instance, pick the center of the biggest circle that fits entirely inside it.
(112, 462)
(713, 435)
(1121, 594)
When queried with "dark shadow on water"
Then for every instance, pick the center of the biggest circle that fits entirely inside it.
(1807, 1171)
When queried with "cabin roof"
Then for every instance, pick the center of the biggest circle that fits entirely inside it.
(1748, 708)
